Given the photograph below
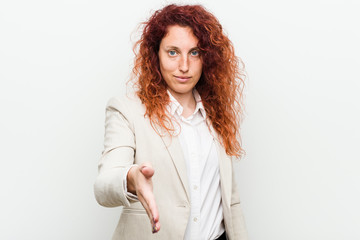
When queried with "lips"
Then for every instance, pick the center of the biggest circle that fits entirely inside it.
(182, 78)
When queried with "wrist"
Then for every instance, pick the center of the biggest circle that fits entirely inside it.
(131, 186)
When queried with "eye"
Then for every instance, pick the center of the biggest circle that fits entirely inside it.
(172, 53)
(194, 53)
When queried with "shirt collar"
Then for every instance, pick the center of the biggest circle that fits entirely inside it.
(175, 107)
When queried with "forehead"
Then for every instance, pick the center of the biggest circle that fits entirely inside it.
(179, 36)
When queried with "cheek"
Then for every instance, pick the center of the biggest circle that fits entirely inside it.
(166, 64)
(199, 67)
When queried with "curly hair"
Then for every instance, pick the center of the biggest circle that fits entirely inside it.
(220, 85)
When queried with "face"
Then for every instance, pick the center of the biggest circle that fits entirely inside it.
(180, 63)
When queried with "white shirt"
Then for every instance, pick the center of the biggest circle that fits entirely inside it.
(202, 163)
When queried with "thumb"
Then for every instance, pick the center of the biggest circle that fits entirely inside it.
(147, 170)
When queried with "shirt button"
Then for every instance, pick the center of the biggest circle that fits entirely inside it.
(195, 187)
(195, 219)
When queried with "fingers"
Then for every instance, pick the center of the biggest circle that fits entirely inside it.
(146, 196)
(154, 214)
(148, 201)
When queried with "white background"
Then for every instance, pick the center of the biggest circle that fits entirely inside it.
(60, 61)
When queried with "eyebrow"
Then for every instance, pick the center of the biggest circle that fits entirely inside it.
(176, 48)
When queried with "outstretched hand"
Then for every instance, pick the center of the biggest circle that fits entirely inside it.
(139, 182)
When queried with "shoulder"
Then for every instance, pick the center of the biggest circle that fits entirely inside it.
(126, 110)
(128, 104)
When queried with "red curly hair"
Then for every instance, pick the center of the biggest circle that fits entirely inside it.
(220, 85)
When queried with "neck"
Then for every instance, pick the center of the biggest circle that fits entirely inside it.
(187, 101)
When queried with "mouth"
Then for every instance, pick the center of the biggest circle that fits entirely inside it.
(182, 78)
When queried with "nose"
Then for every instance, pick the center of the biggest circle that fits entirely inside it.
(184, 64)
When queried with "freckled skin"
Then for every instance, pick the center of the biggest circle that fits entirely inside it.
(180, 62)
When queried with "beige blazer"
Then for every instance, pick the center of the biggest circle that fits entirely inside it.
(129, 139)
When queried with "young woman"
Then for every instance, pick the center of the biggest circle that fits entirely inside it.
(169, 145)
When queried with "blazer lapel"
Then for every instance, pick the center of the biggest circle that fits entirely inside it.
(173, 146)
(225, 168)
(225, 173)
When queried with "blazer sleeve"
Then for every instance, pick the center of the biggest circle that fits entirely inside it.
(118, 155)
(240, 232)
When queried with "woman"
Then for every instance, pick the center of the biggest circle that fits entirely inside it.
(169, 146)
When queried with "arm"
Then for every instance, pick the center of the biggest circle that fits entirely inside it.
(117, 174)
(117, 157)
